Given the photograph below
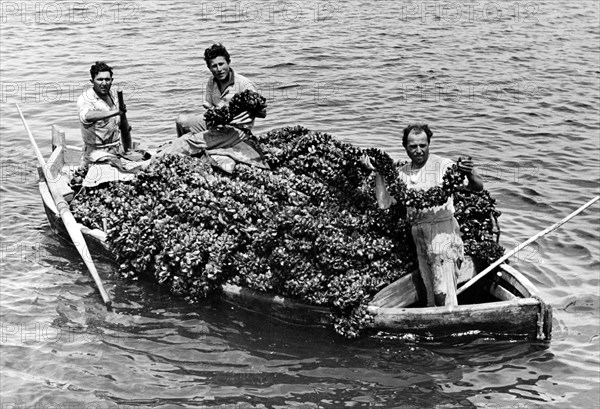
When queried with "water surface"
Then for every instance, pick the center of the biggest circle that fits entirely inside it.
(515, 85)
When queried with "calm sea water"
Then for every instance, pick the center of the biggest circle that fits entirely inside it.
(514, 84)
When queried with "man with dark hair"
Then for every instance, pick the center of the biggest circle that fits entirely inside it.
(435, 231)
(220, 88)
(224, 145)
(216, 50)
(99, 114)
(418, 129)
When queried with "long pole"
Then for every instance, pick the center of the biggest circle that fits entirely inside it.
(525, 244)
(66, 216)
(124, 126)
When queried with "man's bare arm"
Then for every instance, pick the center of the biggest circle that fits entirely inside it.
(468, 168)
(93, 116)
(262, 113)
(384, 199)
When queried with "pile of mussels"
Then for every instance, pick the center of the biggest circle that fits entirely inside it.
(309, 228)
(249, 101)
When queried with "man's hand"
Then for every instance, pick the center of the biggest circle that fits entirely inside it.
(242, 118)
(206, 105)
(466, 166)
(262, 113)
(366, 162)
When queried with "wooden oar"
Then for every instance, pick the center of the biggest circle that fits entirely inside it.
(124, 125)
(523, 245)
(66, 216)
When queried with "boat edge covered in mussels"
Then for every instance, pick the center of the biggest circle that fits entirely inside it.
(517, 310)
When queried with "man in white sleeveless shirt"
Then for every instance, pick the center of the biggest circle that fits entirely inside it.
(435, 231)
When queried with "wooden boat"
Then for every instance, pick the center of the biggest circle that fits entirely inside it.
(504, 304)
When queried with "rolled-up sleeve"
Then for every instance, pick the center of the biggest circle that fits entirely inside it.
(208, 93)
(84, 106)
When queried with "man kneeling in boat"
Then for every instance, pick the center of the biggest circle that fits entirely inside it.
(435, 231)
(194, 135)
(99, 116)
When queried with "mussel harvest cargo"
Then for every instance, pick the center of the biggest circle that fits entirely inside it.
(303, 242)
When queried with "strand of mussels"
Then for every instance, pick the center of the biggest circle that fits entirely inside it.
(307, 229)
(248, 100)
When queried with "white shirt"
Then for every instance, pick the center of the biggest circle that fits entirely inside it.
(430, 175)
(216, 98)
(103, 131)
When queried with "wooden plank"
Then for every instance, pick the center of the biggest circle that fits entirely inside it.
(47, 198)
(519, 316)
(58, 137)
(518, 281)
(409, 289)
(401, 293)
(276, 306)
(72, 155)
(501, 293)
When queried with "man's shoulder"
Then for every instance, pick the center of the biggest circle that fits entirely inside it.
(242, 81)
(437, 159)
(87, 94)
(404, 166)
(239, 77)
(87, 97)
(210, 82)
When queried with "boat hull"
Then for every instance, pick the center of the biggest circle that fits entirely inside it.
(519, 312)
(520, 318)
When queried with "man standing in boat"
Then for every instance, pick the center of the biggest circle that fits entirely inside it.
(99, 115)
(220, 88)
(435, 231)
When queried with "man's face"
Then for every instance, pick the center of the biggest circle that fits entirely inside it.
(219, 68)
(417, 148)
(102, 83)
